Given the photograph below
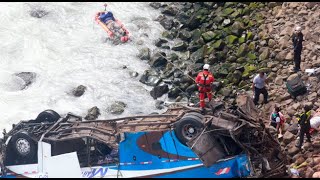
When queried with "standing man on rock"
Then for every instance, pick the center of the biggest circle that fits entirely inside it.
(204, 82)
(297, 39)
(259, 86)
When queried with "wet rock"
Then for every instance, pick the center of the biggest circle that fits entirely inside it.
(180, 46)
(144, 54)
(191, 89)
(79, 91)
(170, 10)
(133, 74)
(158, 91)
(27, 77)
(288, 137)
(174, 92)
(197, 56)
(37, 13)
(158, 60)
(185, 35)
(226, 91)
(150, 78)
(166, 23)
(117, 107)
(193, 22)
(155, 5)
(93, 113)
(159, 104)
(160, 41)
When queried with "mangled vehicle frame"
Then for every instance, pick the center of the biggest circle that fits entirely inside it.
(226, 142)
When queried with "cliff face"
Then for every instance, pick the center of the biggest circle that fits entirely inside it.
(239, 40)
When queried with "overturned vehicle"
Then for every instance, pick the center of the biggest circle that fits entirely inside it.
(226, 142)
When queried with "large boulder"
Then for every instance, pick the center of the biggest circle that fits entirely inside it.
(93, 113)
(117, 107)
(79, 91)
(158, 91)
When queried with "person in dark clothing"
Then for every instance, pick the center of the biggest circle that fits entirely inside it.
(304, 122)
(297, 39)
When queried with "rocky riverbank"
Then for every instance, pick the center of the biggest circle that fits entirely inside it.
(238, 40)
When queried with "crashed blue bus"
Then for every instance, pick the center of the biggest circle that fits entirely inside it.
(179, 143)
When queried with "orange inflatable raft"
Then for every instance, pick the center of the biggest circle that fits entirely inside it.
(123, 38)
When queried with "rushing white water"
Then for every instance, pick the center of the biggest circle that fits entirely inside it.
(66, 48)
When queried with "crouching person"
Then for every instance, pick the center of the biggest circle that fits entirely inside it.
(277, 120)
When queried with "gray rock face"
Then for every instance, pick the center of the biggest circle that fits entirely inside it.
(117, 107)
(79, 91)
(27, 77)
(158, 91)
(93, 113)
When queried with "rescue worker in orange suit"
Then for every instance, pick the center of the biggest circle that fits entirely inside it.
(204, 82)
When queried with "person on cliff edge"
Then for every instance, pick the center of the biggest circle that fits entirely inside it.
(204, 82)
(297, 39)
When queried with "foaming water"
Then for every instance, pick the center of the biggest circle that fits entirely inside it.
(66, 48)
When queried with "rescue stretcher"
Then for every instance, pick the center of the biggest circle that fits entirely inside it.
(111, 34)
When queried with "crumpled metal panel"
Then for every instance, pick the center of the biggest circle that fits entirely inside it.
(207, 149)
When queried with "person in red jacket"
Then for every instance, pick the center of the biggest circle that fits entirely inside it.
(204, 82)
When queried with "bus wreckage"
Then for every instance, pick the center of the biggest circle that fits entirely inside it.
(226, 142)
